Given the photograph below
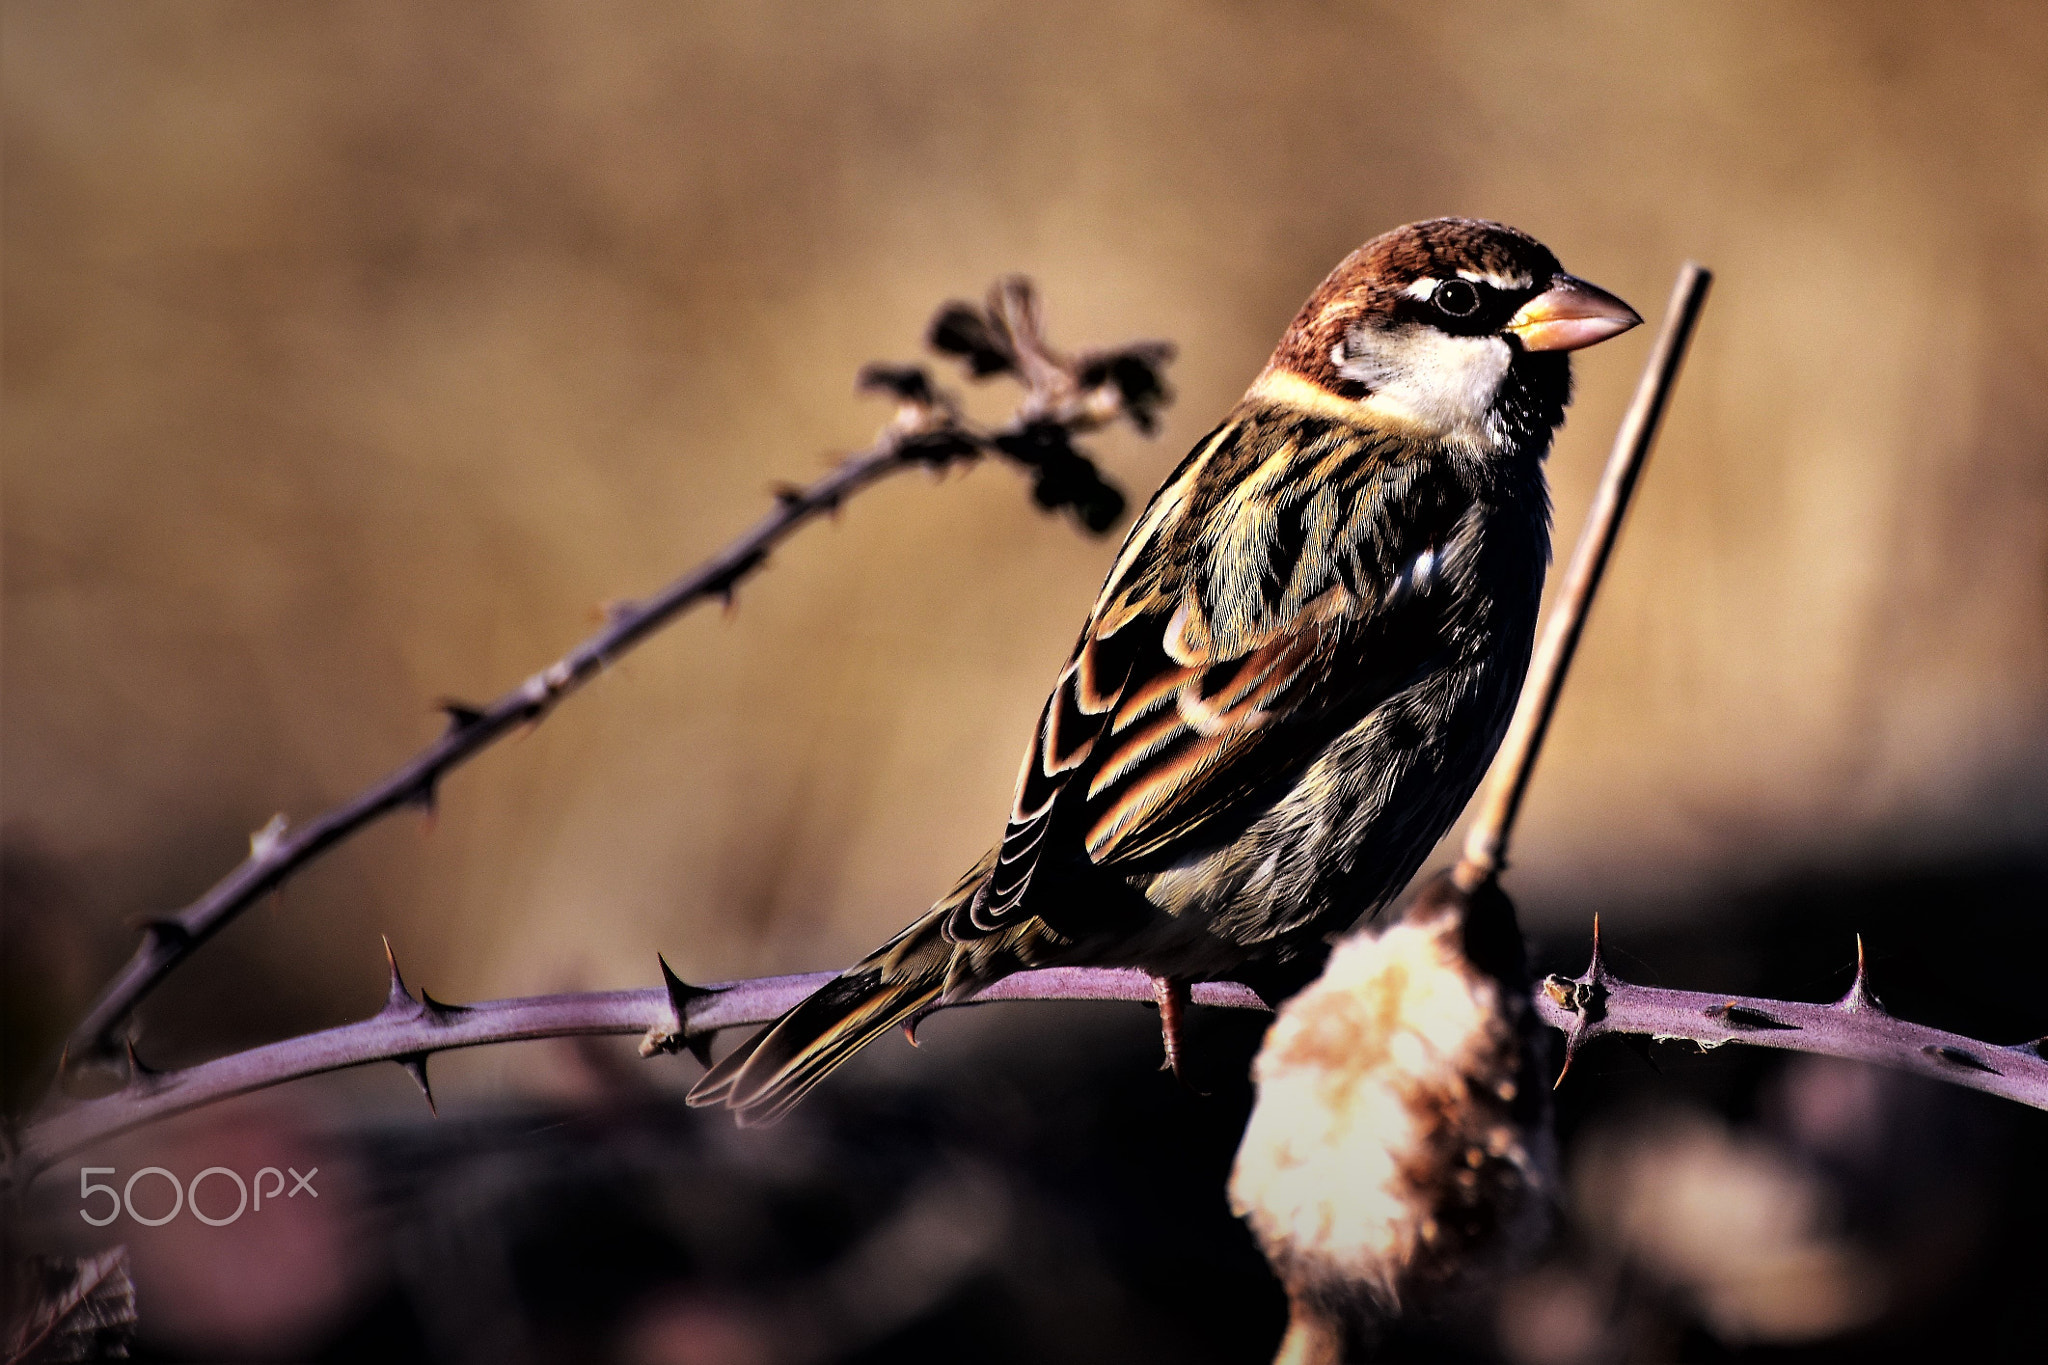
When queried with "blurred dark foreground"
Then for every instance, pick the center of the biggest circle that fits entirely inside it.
(1028, 1187)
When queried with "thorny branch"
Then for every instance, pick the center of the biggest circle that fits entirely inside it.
(1063, 397)
(1855, 1027)
(410, 1028)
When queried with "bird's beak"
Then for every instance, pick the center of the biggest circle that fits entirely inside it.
(1571, 314)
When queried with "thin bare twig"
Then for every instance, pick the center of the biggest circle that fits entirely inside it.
(1062, 397)
(410, 1028)
(1486, 846)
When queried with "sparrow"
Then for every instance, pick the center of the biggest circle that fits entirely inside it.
(1297, 671)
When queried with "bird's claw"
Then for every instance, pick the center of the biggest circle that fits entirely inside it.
(1172, 997)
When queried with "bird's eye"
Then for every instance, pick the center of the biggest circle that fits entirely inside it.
(1456, 298)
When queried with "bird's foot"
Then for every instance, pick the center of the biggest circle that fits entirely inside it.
(1172, 995)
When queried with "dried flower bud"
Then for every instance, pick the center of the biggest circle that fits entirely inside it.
(908, 383)
(1137, 373)
(960, 329)
(1064, 477)
(1397, 1145)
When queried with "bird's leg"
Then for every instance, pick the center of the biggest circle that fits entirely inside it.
(1172, 995)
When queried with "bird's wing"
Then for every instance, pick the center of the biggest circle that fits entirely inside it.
(1284, 582)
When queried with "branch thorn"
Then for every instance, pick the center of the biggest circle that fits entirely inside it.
(169, 932)
(1955, 1056)
(1572, 1040)
(398, 1000)
(402, 1002)
(1584, 998)
(415, 1066)
(461, 714)
(678, 1038)
(1859, 996)
(680, 993)
(138, 1067)
(264, 841)
(1740, 1016)
(438, 1010)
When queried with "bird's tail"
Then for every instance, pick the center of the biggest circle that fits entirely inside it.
(765, 1078)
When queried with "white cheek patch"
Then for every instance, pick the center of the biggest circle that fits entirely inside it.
(1442, 383)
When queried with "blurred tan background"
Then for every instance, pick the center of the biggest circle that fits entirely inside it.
(354, 352)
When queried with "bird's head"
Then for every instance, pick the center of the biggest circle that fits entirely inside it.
(1456, 326)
